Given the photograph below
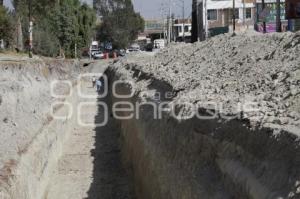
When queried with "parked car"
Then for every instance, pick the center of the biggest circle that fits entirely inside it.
(149, 47)
(121, 53)
(98, 55)
(134, 48)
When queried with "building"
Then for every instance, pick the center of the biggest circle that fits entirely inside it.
(220, 15)
(155, 28)
(269, 16)
(182, 29)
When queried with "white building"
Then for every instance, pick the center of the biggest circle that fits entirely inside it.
(220, 14)
(182, 29)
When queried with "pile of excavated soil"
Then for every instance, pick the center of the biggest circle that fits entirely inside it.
(230, 69)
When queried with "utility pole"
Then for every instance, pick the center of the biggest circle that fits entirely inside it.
(183, 18)
(194, 22)
(162, 12)
(172, 29)
(200, 21)
(170, 22)
(278, 15)
(244, 13)
(30, 28)
(264, 20)
(233, 15)
(205, 19)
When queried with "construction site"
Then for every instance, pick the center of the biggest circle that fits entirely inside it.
(214, 118)
(224, 122)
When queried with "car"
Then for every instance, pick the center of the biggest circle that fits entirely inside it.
(98, 55)
(121, 53)
(149, 47)
(134, 48)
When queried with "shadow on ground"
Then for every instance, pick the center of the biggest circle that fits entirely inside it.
(110, 179)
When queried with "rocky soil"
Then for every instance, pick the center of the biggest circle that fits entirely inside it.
(231, 69)
(238, 98)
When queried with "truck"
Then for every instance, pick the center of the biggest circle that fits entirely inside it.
(159, 44)
(94, 48)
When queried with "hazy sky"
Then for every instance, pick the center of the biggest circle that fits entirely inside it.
(152, 8)
(8, 3)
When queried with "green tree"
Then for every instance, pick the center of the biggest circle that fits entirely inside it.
(57, 25)
(45, 41)
(6, 26)
(74, 24)
(120, 23)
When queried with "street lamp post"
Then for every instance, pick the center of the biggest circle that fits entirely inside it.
(30, 28)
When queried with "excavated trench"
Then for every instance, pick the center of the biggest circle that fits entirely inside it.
(195, 158)
(141, 156)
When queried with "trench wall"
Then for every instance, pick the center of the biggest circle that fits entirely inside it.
(31, 139)
(202, 158)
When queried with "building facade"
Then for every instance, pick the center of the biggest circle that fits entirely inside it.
(220, 15)
(269, 16)
(182, 29)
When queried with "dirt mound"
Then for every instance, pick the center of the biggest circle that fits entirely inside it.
(262, 70)
(237, 153)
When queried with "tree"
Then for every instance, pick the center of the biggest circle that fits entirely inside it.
(58, 25)
(120, 23)
(74, 25)
(6, 26)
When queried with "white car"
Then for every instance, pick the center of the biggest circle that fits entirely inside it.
(134, 48)
(98, 55)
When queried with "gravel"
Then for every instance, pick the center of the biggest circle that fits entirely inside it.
(232, 69)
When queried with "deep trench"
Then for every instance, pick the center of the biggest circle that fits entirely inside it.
(148, 158)
(110, 179)
(195, 158)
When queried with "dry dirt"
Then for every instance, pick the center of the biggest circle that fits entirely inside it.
(90, 165)
(232, 69)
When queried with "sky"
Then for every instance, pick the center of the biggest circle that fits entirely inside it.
(8, 3)
(152, 9)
